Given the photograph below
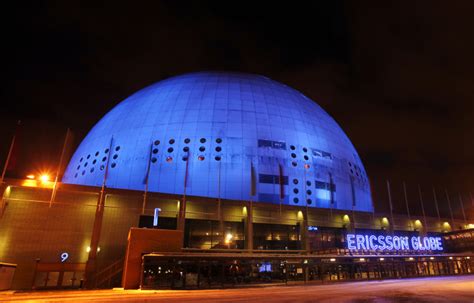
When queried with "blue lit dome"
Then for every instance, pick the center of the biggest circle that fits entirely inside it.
(233, 135)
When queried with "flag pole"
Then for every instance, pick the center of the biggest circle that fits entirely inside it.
(353, 221)
(91, 265)
(422, 207)
(106, 172)
(182, 204)
(436, 204)
(219, 205)
(449, 205)
(462, 209)
(10, 150)
(391, 207)
(147, 177)
(61, 158)
(406, 203)
(253, 192)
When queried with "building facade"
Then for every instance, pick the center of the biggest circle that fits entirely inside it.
(259, 183)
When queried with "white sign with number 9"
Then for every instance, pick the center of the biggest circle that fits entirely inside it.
(64, 256)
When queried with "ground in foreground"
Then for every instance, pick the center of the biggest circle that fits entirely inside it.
(436, 289)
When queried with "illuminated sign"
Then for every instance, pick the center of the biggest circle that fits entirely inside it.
(64, 257)
(312, 228)
(382, 242)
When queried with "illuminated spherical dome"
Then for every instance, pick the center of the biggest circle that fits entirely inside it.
(230, 135)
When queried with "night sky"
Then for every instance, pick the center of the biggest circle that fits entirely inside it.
(398, 76)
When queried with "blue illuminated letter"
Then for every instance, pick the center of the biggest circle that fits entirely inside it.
(360, 242)
(371, 242)
(350, 241)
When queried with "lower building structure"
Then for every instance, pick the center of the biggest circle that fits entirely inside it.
(223, 242)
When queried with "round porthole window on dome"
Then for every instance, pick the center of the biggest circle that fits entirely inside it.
(309, 201)
(308, 183)
(92, 170)
(295, 181)
(113, 165)
(75, 176)
(104, 159)
(157, 142)
(202, 148)
(106, 150)
(306, 157)
(201, 158)
(296, 200)
(293, 155)
(218, 149)
(153, 160)
(203, 140)
(169, 159)
(82, 159)
(102, 167)
(292, 147)
(185, 158)
(219, 140)
(171, 141)
(117, 148)
(170, 150)
(294, 163)
(305, 149)
(295, 190)
(88, 156)
(78, 167)
(85, 164)
(155, 150)
(185, 149)
(217, 158)
(96, 153)
(309, 192)
(115, 156)
(187, 140)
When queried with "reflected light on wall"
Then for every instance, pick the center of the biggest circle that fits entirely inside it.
(299, 215)
(418, 224)
(446, 226)
(228, 238)
(346, 219)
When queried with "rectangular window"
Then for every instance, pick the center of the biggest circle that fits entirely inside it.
(272, 179)
(272, 144)
(321, 154)
(325, 185)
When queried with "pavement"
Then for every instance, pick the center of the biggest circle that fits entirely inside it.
(433, 289)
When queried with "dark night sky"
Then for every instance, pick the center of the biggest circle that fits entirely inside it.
(398, 76)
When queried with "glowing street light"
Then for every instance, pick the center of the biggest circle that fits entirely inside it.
(30, 176)
(44, 178)
(228, 238)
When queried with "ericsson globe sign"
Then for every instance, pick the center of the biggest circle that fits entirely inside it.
(393, 243)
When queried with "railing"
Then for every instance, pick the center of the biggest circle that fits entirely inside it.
(106, 275)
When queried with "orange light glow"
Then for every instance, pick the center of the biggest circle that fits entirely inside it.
(31, 177)
(29, 183)
(44, 178)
